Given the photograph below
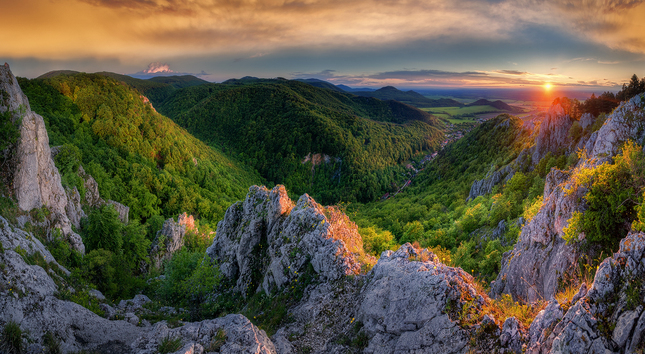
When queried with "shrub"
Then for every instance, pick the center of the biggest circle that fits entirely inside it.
(169, 345)
(103, 229)
(67, 161)
(612, 197)
(575, 132)
(51, 343)
(376, 241)
(11, 341)
(9, 131)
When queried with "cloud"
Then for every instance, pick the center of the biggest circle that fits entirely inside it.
(157, 67)
(512, 72)
(163, 69)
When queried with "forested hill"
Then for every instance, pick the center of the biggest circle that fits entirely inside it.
(138, 157)
(409, 97)
(273, 125)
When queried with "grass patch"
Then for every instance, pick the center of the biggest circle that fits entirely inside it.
(51, 343)
(11, 340)
(505, 307)
(169, 345)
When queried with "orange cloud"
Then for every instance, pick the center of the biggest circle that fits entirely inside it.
(128, 29)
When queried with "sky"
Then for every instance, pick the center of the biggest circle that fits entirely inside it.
(588, 44)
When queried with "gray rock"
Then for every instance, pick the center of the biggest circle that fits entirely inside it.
(532, 269)
(36, 180)
(131, 318)
(73, 208)
(11, 96)
(282, 344)
(586, 120)
(97, 294)
(541, 256)
(582, 291)
(403, 306)
(485, 186)
(109, 311)
(511, 336)
(27, 296)
(134, 305)
(637, 337)
(624, 327)
(238, 333)
(554, 133)
(92, 196)
(543, 324)
(268, 235)
(121, 209)
(169, 240)
(625, 122)
(580, 330)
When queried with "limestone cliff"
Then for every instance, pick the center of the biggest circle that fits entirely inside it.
(36, 181)
(541, 257)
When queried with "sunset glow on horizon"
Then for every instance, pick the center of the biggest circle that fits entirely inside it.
(363, 43)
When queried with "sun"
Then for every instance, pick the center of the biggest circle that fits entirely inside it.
(547, 86)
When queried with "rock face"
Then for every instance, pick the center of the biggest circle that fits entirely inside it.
(627, 121)
(404, 304)
(485, 186)
(586, 120)
(554, 132)
(266, 242)
(121, 209)
(169, 240)
(609, 318)
(230, 334)
(36, 180)
(73, 208)
(541, 256)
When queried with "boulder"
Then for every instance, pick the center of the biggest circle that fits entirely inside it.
(405, 305)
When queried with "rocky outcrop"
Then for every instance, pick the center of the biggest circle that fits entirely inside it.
(609, 317)
(586, 120)
(169, 240)
(266, 242)
(92, 196)
(403, 307)
(74, 209)
(541, 256)
(485, 186)
(36, 181)
(230, 334)
(554, 133)
(27, 297)
(123, 210)
(627, 121)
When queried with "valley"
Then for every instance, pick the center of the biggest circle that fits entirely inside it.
(174, 215)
